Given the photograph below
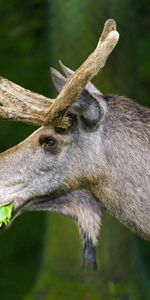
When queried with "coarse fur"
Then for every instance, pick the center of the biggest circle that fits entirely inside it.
(86, 210)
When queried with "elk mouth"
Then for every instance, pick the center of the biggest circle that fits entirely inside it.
(31, 205)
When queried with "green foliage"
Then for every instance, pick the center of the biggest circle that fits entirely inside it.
(5, 213)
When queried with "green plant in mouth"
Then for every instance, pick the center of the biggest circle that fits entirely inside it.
(5, 213)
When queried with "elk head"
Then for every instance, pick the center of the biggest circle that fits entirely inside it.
(75, 154)
(47, 171)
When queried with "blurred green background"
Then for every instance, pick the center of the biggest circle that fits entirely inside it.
(40, 255)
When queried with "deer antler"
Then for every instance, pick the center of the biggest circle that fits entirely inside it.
(94, 63)
(19, 104)
(23, 105)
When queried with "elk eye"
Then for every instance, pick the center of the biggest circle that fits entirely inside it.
(49, 143)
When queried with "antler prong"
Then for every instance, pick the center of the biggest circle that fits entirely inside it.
(19, 104)
(68, 72)
(93, 64)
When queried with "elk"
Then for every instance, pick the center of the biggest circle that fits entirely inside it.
(91, 153)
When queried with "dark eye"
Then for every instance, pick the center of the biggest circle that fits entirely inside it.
(49, 143)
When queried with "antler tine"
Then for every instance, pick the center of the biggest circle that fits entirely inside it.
(19, 104)
(94, 63)
(68, 72)
(29, 117)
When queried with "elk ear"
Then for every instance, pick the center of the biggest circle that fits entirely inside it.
(58, 79)
(91, 106)
(90, 109)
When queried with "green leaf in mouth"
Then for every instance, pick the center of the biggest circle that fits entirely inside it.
(5, 213)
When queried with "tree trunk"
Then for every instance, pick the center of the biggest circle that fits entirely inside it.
(74, 28)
